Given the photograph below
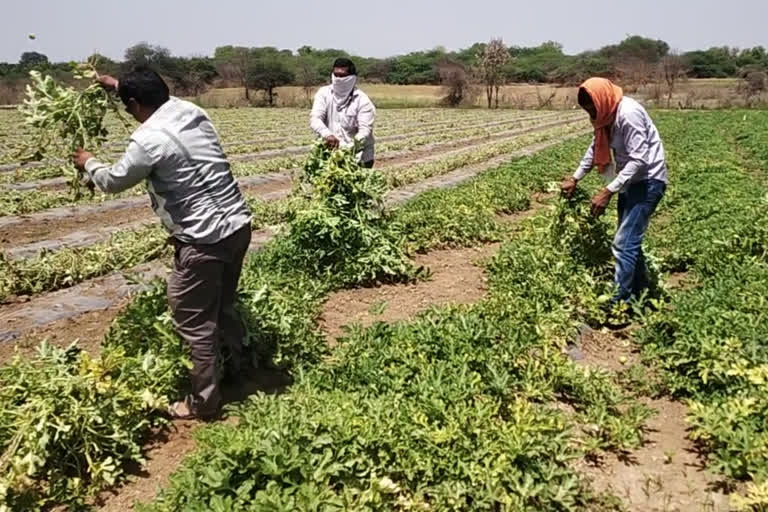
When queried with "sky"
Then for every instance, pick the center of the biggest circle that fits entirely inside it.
(73, 29)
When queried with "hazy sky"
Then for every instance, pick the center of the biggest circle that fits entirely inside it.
(73, 29)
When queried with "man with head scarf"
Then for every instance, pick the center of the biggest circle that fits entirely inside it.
(342, 114)
(638, 175)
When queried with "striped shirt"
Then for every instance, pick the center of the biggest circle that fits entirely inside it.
(636, 145)
(190, 183)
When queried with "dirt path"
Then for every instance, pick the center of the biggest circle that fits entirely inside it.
(667, 473)
(455, 278)
(166, 450)
(78, 226)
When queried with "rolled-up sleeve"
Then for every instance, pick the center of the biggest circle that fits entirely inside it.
(587, 163)
(134, 167)
(317, 118)
(366, 117)
(635, 136)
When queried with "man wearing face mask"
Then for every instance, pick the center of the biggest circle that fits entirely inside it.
(177, 153)
(342, 114)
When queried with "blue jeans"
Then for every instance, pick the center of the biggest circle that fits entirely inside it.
(636, 205)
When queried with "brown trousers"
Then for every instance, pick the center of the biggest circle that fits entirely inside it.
(201, 292)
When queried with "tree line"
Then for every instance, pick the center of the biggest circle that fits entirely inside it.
(636, 59)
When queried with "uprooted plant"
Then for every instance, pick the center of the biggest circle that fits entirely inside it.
(64, 118)
(343, 231)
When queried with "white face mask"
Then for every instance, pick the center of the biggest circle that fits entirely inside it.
(343, 87)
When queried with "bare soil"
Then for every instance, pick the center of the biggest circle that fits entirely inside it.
(667, 473)
(164, 455)
(88, 330)
(455, 279)
(167, 449)
(35, 230)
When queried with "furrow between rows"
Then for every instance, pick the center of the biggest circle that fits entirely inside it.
(103, 292)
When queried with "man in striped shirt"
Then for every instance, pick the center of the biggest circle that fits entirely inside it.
(177, 153)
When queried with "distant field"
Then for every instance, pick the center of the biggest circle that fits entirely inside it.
(709, 93)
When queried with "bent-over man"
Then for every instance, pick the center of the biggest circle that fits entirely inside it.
(639, 175)
(177, 152)
(342, 113)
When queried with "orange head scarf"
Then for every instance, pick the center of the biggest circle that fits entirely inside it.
(606, 96)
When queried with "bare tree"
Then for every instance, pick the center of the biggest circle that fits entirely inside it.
(545, 100)
(234, 63)
(756, 82)
(307, 77)
(635, 71)
(492, 58)
(456, 83)
(672, 69)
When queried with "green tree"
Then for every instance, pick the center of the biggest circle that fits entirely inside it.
(719, 62)
(33, 60)
(269, 70)
(232, 63)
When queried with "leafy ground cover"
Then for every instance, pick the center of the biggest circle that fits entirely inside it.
(710, 341)
(280, 302)
(460, 408)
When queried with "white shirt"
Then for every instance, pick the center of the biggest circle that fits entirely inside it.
(190, 184)
(637, 148)
(354, 122)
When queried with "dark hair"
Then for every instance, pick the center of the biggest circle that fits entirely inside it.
(343, 62)
(584, 98)
(145, 86)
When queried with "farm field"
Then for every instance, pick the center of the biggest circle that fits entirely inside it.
(456, 358)
(692, 93)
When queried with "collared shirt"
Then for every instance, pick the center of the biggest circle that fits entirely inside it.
(354, 121)
(190, 183)
(637, 148)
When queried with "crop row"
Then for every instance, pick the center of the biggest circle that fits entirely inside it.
(249, 125)
(17, 202)
(710, 341)
(347, 433)
(52, 270)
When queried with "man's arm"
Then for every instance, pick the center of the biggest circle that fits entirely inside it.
(635, 136)
(587, 163)
(317, 118)
(366, 117)
(134, 167)
(568, 186)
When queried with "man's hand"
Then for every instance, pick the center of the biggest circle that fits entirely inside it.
(600, 202)
(568, 187)
(108, 82)
(332, 142)
(80, 157)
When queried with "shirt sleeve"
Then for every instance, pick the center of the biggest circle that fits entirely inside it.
(634, 133)
(587, 163)
(134, 166)
(317, 118)
(366, 117)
